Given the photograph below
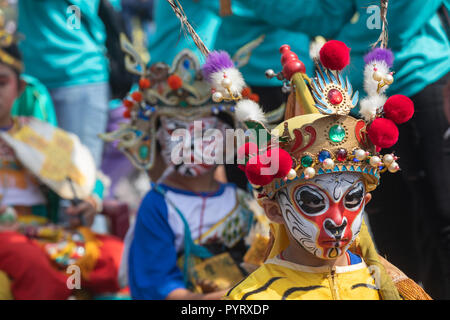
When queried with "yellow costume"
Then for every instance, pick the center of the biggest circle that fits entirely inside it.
(283, 280)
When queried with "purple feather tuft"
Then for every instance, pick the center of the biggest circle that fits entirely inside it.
(380, 54)
(216, 61)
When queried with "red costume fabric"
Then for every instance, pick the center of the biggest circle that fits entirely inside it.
(34, 277)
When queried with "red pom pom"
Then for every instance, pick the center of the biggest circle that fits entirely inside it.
(127, 103)
(247, 149)
(383, 133)
(282, 157)
(137, 96)
(175, 82)
(399, 108)
(253, 172)
(246, 92)
(144, 83)
(127, 114)
(335, 55)
(254, 97)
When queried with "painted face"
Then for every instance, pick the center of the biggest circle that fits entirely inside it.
(324, 214)
(192, 147)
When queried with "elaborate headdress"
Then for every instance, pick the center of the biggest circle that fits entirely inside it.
(319, 135)
(185, 90)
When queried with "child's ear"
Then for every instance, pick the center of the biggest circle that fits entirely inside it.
(273, 211)
(367, 198)
(22, 86)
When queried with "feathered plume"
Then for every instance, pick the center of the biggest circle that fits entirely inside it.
(249, 110)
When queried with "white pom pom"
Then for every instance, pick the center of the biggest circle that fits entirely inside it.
(235, 81)
(369, 106)
(249, 110)
(371, 85)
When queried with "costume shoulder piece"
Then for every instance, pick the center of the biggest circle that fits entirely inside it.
(53, 155)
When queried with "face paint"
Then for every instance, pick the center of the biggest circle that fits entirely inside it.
(324, 214)
(199, 139)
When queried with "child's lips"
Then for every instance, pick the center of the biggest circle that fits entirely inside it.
(333, 243)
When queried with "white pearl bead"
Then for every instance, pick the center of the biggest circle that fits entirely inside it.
(375, 161)
(377, 76)
(328, 164)
(393, 167)
(309, 173)
(217, 96)
(292, 174)
(360, 154)
(226, 83)
(388, 159)
(270, 73)
(389, 79)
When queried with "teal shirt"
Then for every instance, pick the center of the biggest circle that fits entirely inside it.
(168, 39)
(245, 25)
(57, 54)
(117, 4)
(416, 35)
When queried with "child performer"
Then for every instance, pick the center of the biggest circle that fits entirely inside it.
(189, 239)
(321, 247)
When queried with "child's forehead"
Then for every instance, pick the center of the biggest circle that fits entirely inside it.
(330, 182)
(6, 71)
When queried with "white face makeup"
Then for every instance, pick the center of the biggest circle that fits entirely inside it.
(202, 139)
(324, 214)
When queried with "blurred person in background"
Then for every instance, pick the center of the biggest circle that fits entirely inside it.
(64, 48)
(45, 227)
(167, 39)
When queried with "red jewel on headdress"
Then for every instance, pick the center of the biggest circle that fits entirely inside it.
(144, 83)
(341, 155)
(335, 96)
(175, 82)
(383, 133)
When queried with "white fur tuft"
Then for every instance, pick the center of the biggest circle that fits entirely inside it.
(370, 85)
(249, 110)
(370, 105)
(237, 81)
